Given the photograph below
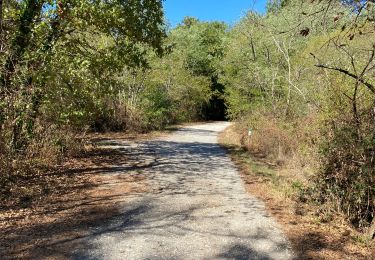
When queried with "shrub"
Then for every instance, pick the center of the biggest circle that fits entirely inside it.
(270, 137)
(346, 179)
(48, 148)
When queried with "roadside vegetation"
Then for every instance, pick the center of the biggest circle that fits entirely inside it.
(301, 78)
(69, 68)
(298, 81)
(313, 233)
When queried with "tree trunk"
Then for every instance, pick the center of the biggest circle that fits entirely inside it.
(18, 47)
(22, 40)
(1, 20)
(371, 230)
(356, 117)
(253, 49)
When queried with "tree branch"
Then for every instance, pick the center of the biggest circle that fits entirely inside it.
(370, 86)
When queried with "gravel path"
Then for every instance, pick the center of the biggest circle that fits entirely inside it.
(198, 207)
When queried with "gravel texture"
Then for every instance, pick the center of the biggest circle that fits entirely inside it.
(197, 208)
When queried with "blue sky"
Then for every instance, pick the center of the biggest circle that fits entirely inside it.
(229, 11)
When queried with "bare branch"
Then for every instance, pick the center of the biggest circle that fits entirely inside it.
(370, 86)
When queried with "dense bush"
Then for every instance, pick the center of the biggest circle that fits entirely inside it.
(303, 82)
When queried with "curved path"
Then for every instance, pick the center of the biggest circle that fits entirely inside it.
(198, 207)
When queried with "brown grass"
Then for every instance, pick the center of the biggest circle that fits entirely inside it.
(312, 236)
(78, 195)
(269, 140)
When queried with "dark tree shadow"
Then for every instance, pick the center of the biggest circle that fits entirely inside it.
(241, 252)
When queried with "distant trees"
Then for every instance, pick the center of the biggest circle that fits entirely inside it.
(202, 53)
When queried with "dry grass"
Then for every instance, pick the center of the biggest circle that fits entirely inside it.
(35, 172)
(312, 236)
(47, 211)
(30, 173)
(269, 140)
(82, 194)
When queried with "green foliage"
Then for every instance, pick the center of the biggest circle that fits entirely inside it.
(310, 62)
(157, 107)
(61, 56)
(302, 76)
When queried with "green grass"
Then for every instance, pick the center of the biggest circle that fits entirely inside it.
(258, 168)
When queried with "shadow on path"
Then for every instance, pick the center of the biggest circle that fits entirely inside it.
(193, 191)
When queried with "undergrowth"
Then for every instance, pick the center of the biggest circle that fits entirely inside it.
(27, 174)
(294, 171)
(279, 184)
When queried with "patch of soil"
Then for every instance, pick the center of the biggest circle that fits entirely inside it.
(85, 192)
(310, 237)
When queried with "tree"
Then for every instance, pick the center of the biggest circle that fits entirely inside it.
(40, 29)
(204, 44)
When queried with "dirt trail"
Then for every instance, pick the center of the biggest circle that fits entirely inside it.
(197, 207)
